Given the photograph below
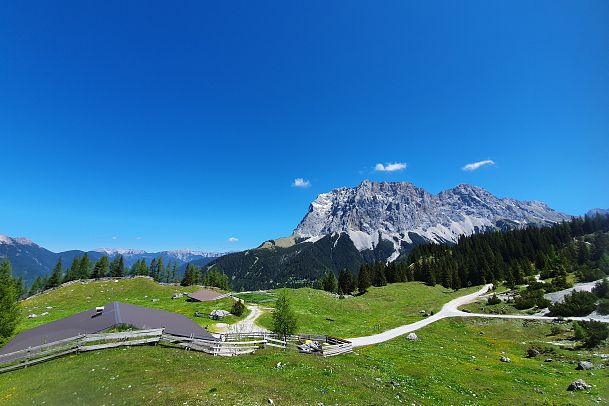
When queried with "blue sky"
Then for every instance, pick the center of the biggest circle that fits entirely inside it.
(126, 124)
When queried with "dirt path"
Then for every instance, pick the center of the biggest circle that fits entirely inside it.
(451, 309)
(248, 324)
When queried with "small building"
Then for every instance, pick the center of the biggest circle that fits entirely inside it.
(205, 295)
(103, 318)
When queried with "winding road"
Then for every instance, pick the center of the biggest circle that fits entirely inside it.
(451, 309)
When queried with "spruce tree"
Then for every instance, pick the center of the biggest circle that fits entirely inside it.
(84, 267)
(363, 279)
(117, 267)
(284, 319)
(72, 273)
(56, 276)
(101, 268)
(329, 282)
(9, 309)
(345, 281)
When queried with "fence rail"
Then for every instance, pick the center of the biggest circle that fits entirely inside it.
(229, 345)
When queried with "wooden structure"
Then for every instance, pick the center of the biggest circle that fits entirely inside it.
(229, 345)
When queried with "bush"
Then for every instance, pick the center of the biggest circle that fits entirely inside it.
(603, 306)
(555, 330)
(238, 308)
(531, 298)
(578, 331)
(596, 332)
(493, 300)
(575, 304)
(601, 289)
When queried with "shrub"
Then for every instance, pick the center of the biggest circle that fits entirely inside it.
(238, 308)
(555, 330)
(575, 304)
(596, 332)
(531, 298)
(601, 289)
(603, 306)
(493, 300)
(578, 331)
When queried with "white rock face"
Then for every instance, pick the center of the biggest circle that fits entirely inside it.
(400, 212)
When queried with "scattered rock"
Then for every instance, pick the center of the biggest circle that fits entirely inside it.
(377, 379)
(548, 360)
(32, 316)
(584, 366)
(412, 337)
(532, 353)
(270, 401)
(578, 385)
(155, 300)
(537, 390)
(505, 359)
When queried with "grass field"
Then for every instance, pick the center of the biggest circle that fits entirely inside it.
(257, 297)
(378, 310)
(438, 369)
(79, 297)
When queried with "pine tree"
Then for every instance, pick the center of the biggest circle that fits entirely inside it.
(284, 319)
(345, 281)
(160, 270)
(36, 287)
(117, 267)
(329, 282)
(101, 268)
(154, 269)
(191, 275)
(84, 267)
(72, 273)
(363, 279)
(9, 308)
(378, 275)
(56, 276)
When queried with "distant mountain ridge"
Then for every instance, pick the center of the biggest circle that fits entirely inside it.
(377, 221)
(594, 212)
(30, 260)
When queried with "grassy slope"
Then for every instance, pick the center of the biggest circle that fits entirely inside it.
(79, 297)
(378, 310)
(436, 370)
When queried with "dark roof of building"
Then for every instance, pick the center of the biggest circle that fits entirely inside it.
(115, 313)
(205, 295)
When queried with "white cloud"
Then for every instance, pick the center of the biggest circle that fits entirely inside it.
(475, 165)
(300, 182)
(394, 167)
(138, 238)
(114, 237)
(233, 239)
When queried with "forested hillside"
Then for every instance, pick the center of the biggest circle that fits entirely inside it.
(580, 246)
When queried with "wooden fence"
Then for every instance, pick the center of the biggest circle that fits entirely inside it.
(229, 345)
(80, 343)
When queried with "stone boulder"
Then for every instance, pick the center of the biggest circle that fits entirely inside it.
(578, 385)
(584, 365)
(505, 359)
(412, 337)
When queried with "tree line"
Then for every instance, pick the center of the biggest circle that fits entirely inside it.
(580, 246)
(197, 276)
(84, 268)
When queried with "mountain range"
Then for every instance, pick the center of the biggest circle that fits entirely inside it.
(376, 221)
(30, 260)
